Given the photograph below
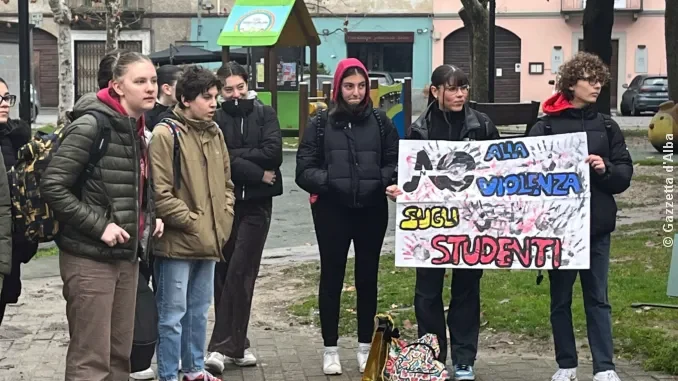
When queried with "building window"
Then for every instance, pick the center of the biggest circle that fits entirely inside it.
(389, 52)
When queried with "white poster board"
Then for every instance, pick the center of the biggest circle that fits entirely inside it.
(519, 203)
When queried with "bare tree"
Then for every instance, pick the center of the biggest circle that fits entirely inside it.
(113, 23)
(62, 17)
(671, 35)
(476, 20)
(598, 22)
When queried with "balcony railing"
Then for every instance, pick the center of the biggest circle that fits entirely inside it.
(100, 5)
(573, 6)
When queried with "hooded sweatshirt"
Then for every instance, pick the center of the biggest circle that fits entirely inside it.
(344, 65)
(112, 100)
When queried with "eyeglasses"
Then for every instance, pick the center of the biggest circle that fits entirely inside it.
(10, 99)
(453, 89)
(592, 80)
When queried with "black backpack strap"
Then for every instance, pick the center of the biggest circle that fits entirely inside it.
(176, 152)
(380, 122)
(320, 123)
(607, 120)
(547, 125)
(381, 131)
(259, 110)
(100, 143)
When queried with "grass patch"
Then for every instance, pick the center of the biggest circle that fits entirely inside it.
(512, 302)
(47, 128)
(51, 252)
(634, 133)
(291, 142)
(652, 162)
(649, 179)
(629, 205)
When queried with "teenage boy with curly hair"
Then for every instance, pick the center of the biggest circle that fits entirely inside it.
(572, 109)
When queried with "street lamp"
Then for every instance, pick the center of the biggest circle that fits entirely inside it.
(24, 63)
(491, 71)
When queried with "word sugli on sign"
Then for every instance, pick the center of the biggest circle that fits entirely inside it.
(430, 217)
(501, 251)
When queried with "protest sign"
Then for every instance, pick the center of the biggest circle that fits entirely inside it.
(519, 203)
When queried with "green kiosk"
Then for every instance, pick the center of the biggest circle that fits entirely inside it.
(271, 24)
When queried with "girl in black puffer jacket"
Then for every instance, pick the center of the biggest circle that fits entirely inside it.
(346, 160)
(13, 135)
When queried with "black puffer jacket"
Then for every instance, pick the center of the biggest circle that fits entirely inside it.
(111, 195)
(611, 148)
(254, 144)
(13, 135)
(357, 163)
(154, 116)
(475, 126)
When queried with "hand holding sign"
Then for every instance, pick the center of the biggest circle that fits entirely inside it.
(596, 163)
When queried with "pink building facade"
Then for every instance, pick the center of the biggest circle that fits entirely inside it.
(533, 37)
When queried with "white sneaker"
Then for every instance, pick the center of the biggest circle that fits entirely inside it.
(565, 375)
(147, 374)
(214, 362)
(608, 375)
(363, 354)
(247, 360)
(331, 363)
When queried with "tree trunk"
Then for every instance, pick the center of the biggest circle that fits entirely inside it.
(671, 35)
(113, 24)
(468, 24)
(62, 16)
(479, 23)
(598, 21)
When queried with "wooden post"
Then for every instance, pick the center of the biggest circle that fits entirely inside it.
(225, 54)
(374, 85)
(303, 108)
(313, 62)
(407, 104)
(327, 92)
(272, 69)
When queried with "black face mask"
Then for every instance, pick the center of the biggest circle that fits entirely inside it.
(238, 107)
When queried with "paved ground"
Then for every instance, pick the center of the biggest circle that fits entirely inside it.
(34, 338)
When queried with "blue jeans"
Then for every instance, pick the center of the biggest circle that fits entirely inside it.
(596, 306)
(184, 295)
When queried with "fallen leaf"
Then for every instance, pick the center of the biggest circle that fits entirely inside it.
(394, 306)
(504, 301)
(407, 324)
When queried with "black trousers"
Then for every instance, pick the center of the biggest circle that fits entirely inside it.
(463, 316)
(596, 306)
(335, 227)
(234, 279)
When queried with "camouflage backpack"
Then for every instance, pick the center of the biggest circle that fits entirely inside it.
(31, 215)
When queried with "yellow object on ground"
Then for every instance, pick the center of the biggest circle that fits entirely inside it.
(663, 127)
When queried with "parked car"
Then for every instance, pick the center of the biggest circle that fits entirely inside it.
(320, 79)
(383, 77)
(645, 93)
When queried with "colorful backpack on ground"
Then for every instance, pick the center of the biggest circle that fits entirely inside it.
(30, 213)
(417, 361)
(392, 359)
